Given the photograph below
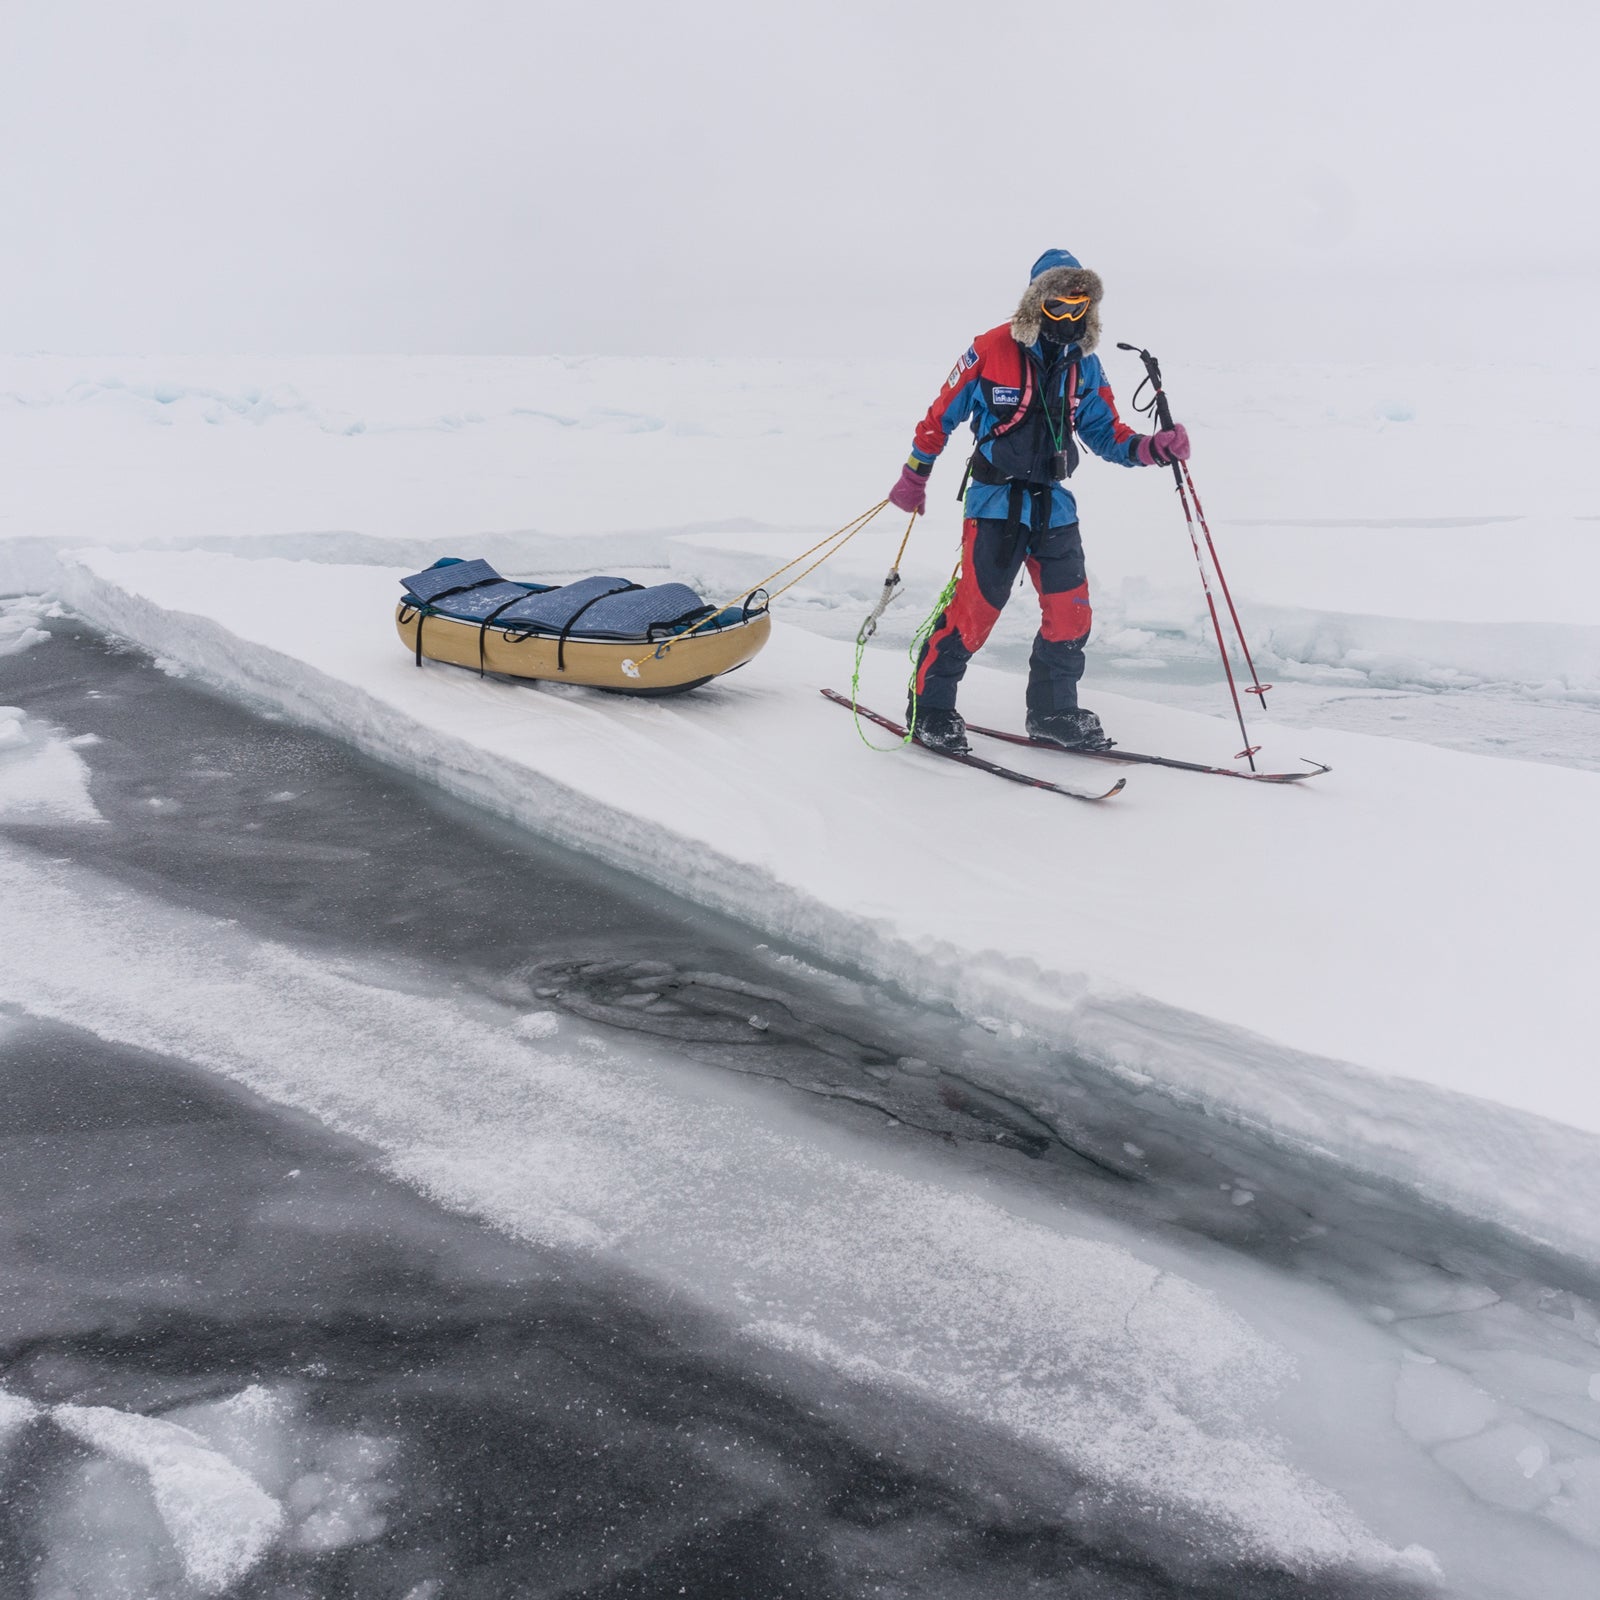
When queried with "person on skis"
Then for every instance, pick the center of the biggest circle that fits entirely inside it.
(1028, 387)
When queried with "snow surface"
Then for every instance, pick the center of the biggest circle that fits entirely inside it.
(1356, 965)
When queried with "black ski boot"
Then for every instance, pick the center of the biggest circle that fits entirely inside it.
(938, 729)
(1072, 730)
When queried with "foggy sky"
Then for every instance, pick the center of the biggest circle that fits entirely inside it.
(482, 177)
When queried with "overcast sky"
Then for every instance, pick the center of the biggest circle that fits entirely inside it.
(482, 177)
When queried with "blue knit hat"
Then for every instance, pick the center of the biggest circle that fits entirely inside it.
(1053, 258)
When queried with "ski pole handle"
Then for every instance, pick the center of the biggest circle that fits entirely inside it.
(1152, 373)
(1158, 400)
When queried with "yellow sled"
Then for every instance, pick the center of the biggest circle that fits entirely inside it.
(606, 633)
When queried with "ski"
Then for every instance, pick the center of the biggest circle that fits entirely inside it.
(1316, 767)
(1010, 774)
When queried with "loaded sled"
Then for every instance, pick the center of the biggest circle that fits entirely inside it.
(606, 632)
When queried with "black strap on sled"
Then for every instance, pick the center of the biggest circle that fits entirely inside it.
(561, 641)
(483, 629)
(425, 607)
(419, 610)
(662, 630)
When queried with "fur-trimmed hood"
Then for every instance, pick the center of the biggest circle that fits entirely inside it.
(1029, 317)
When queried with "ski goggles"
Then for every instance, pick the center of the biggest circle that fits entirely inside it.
(1067, 308)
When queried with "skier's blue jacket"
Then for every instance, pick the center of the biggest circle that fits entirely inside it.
(1025, 404)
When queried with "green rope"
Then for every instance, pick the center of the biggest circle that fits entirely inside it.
(918, 640)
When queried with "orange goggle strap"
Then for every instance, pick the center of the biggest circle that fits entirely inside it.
(1074, 306)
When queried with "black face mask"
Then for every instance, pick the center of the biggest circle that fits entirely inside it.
(1056, 336)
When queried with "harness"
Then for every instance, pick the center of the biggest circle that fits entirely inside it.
(1040, 453)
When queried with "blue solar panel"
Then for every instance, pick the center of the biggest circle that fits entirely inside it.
(555, 608)
(476, 604)
(640, 609)
(428, 585)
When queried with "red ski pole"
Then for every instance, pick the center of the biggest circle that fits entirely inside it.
(1183, 482)
(1257, 687)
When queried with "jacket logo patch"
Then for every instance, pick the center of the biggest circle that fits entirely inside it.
(1007, 397)
(970, 359)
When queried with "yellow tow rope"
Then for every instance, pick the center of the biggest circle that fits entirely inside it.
(831, 546)
(838, 539)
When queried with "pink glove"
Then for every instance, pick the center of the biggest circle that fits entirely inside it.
(1162, 449)
(910, 493)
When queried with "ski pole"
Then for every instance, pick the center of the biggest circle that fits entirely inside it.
(1256, 686)
(1181, 470)
(1183, 482)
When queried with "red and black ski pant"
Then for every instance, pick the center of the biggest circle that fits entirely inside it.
(993, 553)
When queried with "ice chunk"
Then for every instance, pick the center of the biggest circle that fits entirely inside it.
(1507, 1466)
(330, 1515)
(341, 1503)
(1435, 1404)
(42, 778)
(19, 624)
(254, 1429)
(220, 1520)
(331, 1483)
